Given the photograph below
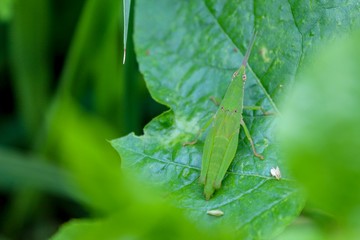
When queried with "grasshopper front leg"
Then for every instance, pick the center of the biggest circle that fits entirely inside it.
(207, 124)
(257, 108)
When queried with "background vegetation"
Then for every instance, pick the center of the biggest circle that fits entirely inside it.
(65, 98)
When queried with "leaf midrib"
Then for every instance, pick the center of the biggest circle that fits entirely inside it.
(238, 50)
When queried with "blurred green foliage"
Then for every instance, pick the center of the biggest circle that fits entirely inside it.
(320, 133)
(63, 94)
(5, 10)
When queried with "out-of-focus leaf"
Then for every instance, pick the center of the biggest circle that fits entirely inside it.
(6, 10)
(187, 51)
(18, 171)
(30, 63)
(75, 135)
(84, 150)
(153, 222)
(93, 28)
(302, 230)
(91, 72)
(321, 130)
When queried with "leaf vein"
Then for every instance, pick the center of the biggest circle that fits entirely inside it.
(270, 206)
(256, 77)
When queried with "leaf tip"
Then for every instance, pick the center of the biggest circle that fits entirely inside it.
(124, 57)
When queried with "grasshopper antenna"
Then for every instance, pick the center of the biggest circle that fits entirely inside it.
(245, 60)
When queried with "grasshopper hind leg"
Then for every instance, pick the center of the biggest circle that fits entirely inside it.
(248, 135)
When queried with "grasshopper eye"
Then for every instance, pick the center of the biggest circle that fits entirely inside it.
(244, 77)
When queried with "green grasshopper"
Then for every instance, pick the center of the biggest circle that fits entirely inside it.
(222, 141)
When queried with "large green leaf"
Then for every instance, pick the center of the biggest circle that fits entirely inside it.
(187, 51)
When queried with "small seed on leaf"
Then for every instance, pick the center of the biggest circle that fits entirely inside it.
(215, 212)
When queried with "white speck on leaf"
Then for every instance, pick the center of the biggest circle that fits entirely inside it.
(275, 172)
